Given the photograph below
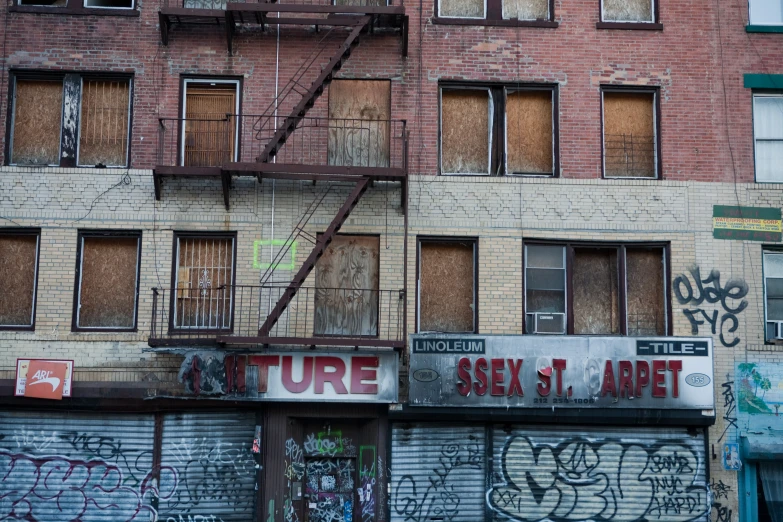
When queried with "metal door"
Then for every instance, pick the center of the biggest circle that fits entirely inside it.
(329, 489)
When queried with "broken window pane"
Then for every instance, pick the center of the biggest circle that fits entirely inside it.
(446, 287)
(596, 300)
(465, 124)
(346, 287)
(18, 260)
(108, 282)
(359, 112)
(44, 3)
(628, 11)
(103, 131)
(526, 9)
(529, 132)
(109, 4)
(629, 134)
(38, 109)
(209, 129)
(204, 291)
(461, 8)
(646, 310)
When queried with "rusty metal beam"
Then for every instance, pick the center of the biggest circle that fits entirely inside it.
(268, 7)
(310, 341)
(315, 254)
(313, 172)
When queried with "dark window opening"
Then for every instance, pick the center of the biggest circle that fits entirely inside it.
(447, 286)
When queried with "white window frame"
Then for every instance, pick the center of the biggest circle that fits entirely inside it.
(656, 144)
(565, 284)
(474, 304)
(652, 12)
(127, 135)
(490, 121)
(764, 255)
(506, 92)
(441, 15)
(756, 140)
(13, 125)
(207, 81)
(751, 21)
(119, 235)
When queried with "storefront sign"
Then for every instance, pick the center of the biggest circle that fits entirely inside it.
(293, 376)
(43, 379)
(564, 371)
(746, 223)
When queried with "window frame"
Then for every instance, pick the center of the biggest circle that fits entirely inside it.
(655, 91)
(76, 7)
(449, 240)
(761, 93)
(190, 234)
(185, 81)
(751, 22)
(653, 25)
(25, 231)
(65, 77)
(774, 250)
(77, 289)
(498, 125)
(622, 283)
(493, 15)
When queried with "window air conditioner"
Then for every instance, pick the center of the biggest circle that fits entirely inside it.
(778, 329)
(545, 323)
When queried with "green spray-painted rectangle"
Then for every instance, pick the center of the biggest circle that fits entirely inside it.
(290, 264)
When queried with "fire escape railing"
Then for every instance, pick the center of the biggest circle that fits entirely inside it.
(221, 4)
(234, 314)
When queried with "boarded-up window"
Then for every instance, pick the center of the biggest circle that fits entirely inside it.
(38, 108)
(103, 132)
(628, 11)
(346, 292)
(645, 303)
(465, 131)
(526, 9)
(595, 292)
(461, 8)
(205, 275)
(359, 113)
(18, 262)
(446, 287)
(108, 282)
(629, 134)
(529, 132)
(210, 127)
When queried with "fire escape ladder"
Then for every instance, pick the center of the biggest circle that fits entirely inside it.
(290, 123)
(320, 246)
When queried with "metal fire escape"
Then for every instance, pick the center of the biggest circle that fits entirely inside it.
(267, 146)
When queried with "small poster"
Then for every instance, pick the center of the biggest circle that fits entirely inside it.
(731, 459)
(51, 379)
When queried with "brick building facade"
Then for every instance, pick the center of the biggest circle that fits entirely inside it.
(463, 184)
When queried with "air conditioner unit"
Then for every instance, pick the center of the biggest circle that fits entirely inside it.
(778, 329)
(545, 323)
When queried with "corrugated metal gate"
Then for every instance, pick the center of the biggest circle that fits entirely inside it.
(69, 466)
(559, 473)
(214, 473)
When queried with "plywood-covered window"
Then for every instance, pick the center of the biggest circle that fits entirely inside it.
(359, 119)
(346, 287)
(628, 11)
(37, 122)
(70, 119)
(447, 286)
(526, 9)
(462, 8)
(586, 289)
(107, 280)
(466, 126)
(210, 126)
(496, 129)
(104, 123)
(204, 282)
(529, 132)
(630, 130)
(18, 277)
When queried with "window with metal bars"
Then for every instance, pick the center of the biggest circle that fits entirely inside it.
(630, 133)
(69, 120)
(203, 294)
